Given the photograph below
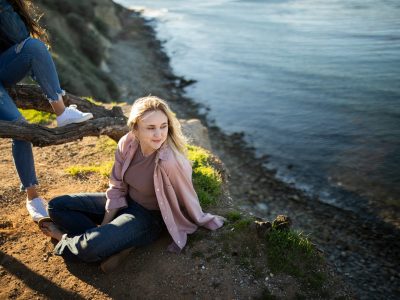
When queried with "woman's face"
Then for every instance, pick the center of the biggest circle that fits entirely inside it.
(152, 131)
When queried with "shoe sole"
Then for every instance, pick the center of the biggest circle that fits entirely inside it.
(43, 220)
(77, 121)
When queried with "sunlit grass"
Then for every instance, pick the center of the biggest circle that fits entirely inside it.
(206, 180)
(106, 145)
(37, 117)
(92, 100)
(103, 169)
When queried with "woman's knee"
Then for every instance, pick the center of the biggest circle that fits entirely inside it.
(35, 47)
(57, 203)
(94, 247)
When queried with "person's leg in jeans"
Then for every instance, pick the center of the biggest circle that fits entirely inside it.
(23, 158)
(32, 56)
(15, 63)
(78, 216)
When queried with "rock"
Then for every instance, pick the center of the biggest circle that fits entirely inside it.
(262, 206)
(282, 222)
(262, 227)
(105, 10)
(196, 133)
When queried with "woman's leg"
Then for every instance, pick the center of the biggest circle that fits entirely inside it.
(23, 159)
(77, 213)
(33, 56)
(133, 226)
(21, 150)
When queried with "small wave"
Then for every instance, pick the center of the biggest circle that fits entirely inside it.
(150, 13)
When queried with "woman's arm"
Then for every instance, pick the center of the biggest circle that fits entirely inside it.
(109, 216)
(180, 176)
(12, 29)
(118, 189)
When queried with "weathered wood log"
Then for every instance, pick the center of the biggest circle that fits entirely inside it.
(30, 96)
(105, 122)
(41, 136)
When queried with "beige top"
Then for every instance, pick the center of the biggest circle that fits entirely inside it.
(139, 178)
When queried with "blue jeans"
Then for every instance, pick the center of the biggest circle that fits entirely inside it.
(15, 63)
(79, 215)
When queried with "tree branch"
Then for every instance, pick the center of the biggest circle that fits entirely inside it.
(106, 122)
(41, 136)
(30, 96)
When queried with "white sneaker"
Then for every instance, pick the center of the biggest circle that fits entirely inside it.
(72, 115)
(37, 208)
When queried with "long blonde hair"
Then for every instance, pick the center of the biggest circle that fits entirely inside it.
(175, 139)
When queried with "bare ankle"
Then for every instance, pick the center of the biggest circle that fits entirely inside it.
(31, 193)
(58, 106)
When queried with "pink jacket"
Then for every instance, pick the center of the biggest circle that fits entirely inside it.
(176, 197)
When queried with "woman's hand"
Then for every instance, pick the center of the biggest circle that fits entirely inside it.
(109, 216)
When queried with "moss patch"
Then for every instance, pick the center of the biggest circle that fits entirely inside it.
(37, 117)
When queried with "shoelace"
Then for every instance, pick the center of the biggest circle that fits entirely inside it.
(73, 106)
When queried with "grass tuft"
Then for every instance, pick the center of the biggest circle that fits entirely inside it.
(243, 223)
(106, 145)
(292, 253)
(206, 180)
(233, 216)
(103, 169)
(92, 100)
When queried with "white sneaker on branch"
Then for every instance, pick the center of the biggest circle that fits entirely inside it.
(72, 115)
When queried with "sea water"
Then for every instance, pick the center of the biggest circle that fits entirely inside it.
(314, 84)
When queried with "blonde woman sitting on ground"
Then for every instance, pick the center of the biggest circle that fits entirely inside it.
(150, 189)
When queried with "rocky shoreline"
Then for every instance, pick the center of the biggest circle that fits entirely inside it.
(363, 253)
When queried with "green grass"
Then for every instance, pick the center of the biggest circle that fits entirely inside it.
(103, 169)
(92, 100)
(37, 117)
(282, 251)
(285, 248)
(233, 216)
(198, 156)
(243, 223)
(292, 253)
(206, 180)
(238, 222)
(106, 145)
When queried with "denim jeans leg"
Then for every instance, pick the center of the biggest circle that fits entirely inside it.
(35, 58)
(77, 213)
(133, 226)
(21, 150)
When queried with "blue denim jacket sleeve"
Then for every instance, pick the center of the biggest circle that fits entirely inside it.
(12, 28)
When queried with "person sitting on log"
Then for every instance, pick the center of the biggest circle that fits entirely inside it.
(150, 189)
(23, 50)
